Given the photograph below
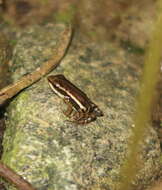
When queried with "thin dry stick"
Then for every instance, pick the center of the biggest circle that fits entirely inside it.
(14, 178)
(11, 90)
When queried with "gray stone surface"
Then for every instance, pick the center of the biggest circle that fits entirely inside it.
(54, 154)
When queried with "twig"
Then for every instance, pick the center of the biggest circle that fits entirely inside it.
(11, 90)
(14, 178)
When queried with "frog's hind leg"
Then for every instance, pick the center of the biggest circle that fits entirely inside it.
(82, 118)
(78, 115)
(85, 119)
(74, 115)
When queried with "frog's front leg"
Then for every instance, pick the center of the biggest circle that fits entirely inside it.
(69, 110)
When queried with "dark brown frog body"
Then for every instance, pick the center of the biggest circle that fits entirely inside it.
(80, 108)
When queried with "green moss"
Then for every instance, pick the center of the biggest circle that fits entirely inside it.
(92, 34)
(13, 42)
(14, 134)
(44, 2)
(132, 48)
(66, 16)
(18, 104)
(11, 155)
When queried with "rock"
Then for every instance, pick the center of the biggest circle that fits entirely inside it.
(53, 153)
